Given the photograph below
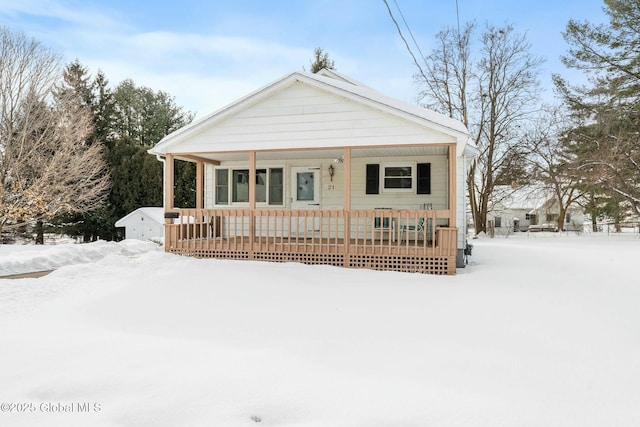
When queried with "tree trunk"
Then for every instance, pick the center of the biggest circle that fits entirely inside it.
(561, 217)
(473, 201)
(39, 233)
(594, 223)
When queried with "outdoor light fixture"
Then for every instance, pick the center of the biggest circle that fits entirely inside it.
(331, 172)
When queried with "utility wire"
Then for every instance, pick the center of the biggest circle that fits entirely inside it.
(410, 32)
(458, 16)
(405, 40)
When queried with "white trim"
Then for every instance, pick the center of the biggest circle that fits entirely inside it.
(317, 187)
(230, 170)
(414, 180)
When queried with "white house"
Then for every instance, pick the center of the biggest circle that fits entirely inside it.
(143, 223)
(320, 169)
(530, 208)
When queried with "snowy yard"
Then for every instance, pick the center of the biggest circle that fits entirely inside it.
(536, 331)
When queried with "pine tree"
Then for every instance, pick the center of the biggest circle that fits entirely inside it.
(321, 60)
(607, 109)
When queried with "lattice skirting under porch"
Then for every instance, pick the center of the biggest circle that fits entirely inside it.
(402, 263)
(409, 264)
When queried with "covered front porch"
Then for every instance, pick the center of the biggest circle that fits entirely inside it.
(397, 233)
(398, 240)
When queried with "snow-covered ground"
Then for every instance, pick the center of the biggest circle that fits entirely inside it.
(536, 331)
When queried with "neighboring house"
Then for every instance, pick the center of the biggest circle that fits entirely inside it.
(530, 208)
(319, 169)
(143, 223)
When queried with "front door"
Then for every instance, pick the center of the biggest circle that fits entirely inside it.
(305, 194)
(305, 188)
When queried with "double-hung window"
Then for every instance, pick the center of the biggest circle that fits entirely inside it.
(398, 177)
(233, 184)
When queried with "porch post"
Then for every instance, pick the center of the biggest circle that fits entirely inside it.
(252, 200)
(169, 236)
(199, 184)
(347, 179)
(252, 180)
(168, 182)
(347, 206)
(452, 186)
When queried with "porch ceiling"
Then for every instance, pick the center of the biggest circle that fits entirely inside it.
(433, 150)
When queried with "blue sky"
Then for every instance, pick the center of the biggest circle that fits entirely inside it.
(207, 53)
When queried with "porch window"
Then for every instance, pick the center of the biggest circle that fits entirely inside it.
(261, 185)
(222, 186)
(240, 188)
(398, 178)
(276, 186)
(269, 186)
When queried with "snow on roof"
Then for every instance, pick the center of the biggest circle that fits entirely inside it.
(528, 197)
(155, 213)
(336, 83)
(326, 72)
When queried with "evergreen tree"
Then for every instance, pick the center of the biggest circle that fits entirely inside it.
(321, 60)
(607, 109)
(98, 98)
(144, 116)
(141, 118)
(128, 121)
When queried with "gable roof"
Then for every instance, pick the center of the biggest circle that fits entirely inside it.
(335, 83)
(153, 213)
(527, 197)
(333, 74)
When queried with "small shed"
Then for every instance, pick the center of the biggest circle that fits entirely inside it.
(143, 223)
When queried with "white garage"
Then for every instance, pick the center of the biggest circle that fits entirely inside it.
(143, 223)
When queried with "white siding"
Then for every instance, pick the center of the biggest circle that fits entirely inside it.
(461, 205)
(438, 197)
(332, 192)
(301, 116)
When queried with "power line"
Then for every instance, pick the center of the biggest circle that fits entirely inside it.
(410, 32)
(458, 16)
(405, 40)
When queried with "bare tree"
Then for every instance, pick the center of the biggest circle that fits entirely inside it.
(46, 167)
(492, 93)
(552, 160)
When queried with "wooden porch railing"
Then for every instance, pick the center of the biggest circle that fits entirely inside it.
(337, 236)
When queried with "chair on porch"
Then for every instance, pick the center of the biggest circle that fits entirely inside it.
(383, 225)
(419, 228)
